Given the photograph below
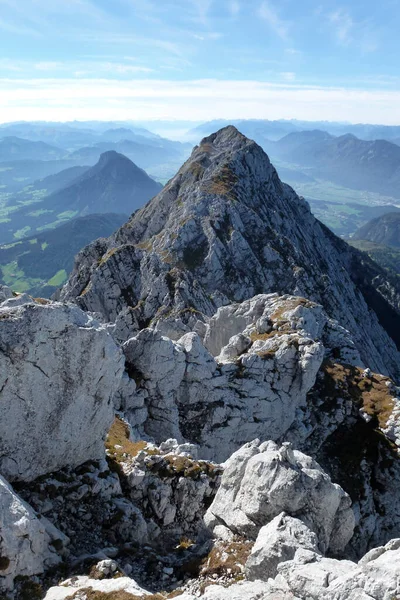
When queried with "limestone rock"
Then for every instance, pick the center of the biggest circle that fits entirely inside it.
(261, 481)
(242, 591)
(309, 575)
(27, 544)
(277, 542)
(59, 370)
(70, 587)
(376, 577)
(251, 390)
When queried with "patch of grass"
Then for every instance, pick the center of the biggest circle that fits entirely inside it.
(67, 214)
(290, 305)
(119, 436)
(182, 466)
(267, 354)
(146, 245)
(223, 183)
(197, 170)
(227, 559)
(369, 393)
(37, 213)
(59, 278)
(20, 233)
(185, 544)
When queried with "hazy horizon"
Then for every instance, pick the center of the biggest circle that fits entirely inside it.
(200, 59)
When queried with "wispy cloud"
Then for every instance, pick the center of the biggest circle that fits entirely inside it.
(18, 29)
(234, 7)
(343, 24)
(110, 68)
(201, 9)
(350, 32)
(293, 52)
(269, 13)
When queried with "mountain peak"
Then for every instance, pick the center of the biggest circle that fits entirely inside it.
(110, 156)
(226, 140)
(224, 229)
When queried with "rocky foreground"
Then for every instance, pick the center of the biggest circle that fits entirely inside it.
(208, 411)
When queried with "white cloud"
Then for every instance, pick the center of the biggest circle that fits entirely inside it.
(271, 16)
(68, 99)
(349, 32)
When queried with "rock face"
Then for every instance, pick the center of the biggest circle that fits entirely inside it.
(262, 481)
(173, 490)
(254, 388)
(58, 372)
(27, 543)
(226, 222)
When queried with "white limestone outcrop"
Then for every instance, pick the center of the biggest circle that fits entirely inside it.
(260, 481)
(254, 388)
(59, 370)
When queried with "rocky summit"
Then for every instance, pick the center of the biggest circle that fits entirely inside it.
(224, 229)
(209, 408)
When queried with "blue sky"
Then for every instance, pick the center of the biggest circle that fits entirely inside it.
(200, 59)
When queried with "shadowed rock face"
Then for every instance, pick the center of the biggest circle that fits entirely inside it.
(58, 372)
(224, 229)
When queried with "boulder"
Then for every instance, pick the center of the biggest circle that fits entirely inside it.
(261, 481)
(59, 370)
(70, 587)
(27, 544)
(277, 542)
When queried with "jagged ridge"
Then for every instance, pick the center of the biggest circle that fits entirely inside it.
(224, 229)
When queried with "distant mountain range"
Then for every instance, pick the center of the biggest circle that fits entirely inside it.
(41, 263)
(24, 147)
(346, 160)
(114, 184)
(261, 129)
(74, 135)
(15, 175)
(15, 148)
(145, 153)
(384, 230)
